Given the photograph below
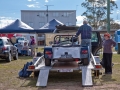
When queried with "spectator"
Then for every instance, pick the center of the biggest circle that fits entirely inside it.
(32, 45)
(13, 39)
(108, 44)
(25, 49)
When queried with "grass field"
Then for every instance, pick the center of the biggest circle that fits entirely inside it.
(9, 79)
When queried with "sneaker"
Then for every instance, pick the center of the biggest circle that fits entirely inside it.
(108, 73)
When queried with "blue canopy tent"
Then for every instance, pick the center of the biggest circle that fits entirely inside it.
(52, 24)
(16, 27)
(19, 27)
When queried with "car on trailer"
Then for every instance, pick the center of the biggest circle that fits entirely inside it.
(65, 48)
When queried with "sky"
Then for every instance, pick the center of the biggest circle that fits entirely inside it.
(10, 10)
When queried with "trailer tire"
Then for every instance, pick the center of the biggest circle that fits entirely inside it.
(85, 62)
(47, 62)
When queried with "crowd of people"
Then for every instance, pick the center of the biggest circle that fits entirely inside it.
(27, 46)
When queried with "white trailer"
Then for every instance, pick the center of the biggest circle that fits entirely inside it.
(56, 65)
(39, 65)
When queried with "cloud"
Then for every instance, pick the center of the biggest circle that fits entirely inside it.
(31, 5)
(36, 2)
(46, 0)
(36, 5)
(4, 21)
(80, 20)
(29, 0)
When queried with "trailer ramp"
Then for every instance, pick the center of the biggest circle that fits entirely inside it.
(86, 76)
(43, 77)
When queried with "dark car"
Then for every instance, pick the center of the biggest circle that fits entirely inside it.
(7, 49)
(96, 40)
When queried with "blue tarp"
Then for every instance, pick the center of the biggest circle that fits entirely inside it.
(52, 24)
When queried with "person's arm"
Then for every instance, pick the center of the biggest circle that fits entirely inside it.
(113, 43)
(78, 32)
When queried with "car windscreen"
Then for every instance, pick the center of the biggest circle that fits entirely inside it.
(94, 37)
(1, 42)
(20, 39)
(65, 40)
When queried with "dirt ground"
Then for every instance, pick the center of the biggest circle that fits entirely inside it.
(9, 79)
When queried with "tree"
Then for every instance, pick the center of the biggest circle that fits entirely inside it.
(96, 12)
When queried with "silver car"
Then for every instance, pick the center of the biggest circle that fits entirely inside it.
(7, 50)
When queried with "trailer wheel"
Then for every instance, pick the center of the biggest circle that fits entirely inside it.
(47, 62)
(85, 62)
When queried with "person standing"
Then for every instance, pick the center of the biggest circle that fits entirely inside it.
(86, 32)
(13, 39)
(32, 45)
(108, 44)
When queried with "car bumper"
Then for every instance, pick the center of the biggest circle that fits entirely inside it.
(4, 54)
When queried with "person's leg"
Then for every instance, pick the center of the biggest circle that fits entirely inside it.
(31, 50)
(82, 44)
(25, 52)
(105, 62)
(21, 52)
(86, 42)
(109, 61)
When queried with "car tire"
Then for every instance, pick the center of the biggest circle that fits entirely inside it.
(47, 62)
(9, 58)
(16, 56)
(85, 62)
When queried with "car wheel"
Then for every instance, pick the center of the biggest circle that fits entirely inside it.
(16, 56)
(47, 62)
(9, 57)
(85, 62)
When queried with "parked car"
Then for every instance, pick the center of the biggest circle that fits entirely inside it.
(7, 49)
